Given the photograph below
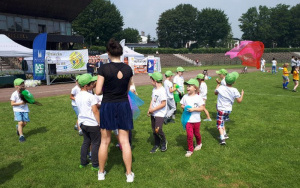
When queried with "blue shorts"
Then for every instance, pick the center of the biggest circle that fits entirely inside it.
(21, 116)
(75, 108)
(116, 115)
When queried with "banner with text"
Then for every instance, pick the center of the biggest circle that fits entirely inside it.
(39, 49)
(68, 60)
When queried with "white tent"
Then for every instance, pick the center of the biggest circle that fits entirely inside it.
(9, 48)
(127, 52)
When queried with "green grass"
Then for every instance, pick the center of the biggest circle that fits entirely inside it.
(262, 151)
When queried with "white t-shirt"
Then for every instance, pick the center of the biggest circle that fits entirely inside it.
(179, 81)
(159, 95)
(98, 98)
(193, 101)
(274, 62)
(168, 84)
(223, 82)
(226, 97)
(203, 90)
(74, 92)
(293, 62)
(85, 101)
(16, 98)
(263, 62)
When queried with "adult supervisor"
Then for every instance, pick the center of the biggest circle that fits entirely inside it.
(114, 81)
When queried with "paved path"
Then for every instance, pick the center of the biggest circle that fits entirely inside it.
(64, 89)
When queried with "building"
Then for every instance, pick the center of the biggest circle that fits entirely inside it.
(23, 20)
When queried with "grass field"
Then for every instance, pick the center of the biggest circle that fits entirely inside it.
(262, 151)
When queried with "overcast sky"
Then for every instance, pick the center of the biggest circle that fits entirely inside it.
(143, 15)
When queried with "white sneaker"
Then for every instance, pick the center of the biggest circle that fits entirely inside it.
(101, 175)
(198, 147)
(130, 177)
(188, 153)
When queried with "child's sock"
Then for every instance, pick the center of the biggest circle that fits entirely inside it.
(222, 137)
(286, 83)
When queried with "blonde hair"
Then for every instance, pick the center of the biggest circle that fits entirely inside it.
(285, 64)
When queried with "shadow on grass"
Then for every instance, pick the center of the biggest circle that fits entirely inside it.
(36, 131)
(114, 158)
(213, 132)
(150, 138)
(181, 141)
(8, 172)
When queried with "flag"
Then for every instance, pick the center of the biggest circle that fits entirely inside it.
(39, 50)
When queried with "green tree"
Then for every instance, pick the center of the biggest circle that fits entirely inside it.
(98, 22)
(264, 26)
(212, 27)
(281, 22)
(295, 26)
(177, 26)
(248, 24)
(129, 34)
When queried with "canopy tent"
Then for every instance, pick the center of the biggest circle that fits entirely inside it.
(9, 48)
(127, 52)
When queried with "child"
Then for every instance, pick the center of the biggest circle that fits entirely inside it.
(88, 120)
(171, 107)
(222, 73)
(285, 76)
(296, 78)
(226, 95)
(179, 81)
(274, 64)
(203, 94)
(75, 90)
(193, 125)
(262, 65)
(158, 110)
(132, 88)
(20, 108)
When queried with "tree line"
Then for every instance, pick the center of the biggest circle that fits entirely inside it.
(275, 27)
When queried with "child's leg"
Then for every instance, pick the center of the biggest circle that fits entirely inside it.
(296, 84)
(20, 127)
(220, 123)
(155, 135)
(171, 107)
(190, 135)
(287, 82)
(197, 132)
(95, 144)
(207, 113)
(159, 121)
(85, 145)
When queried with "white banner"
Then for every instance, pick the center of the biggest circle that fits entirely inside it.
(67, 60)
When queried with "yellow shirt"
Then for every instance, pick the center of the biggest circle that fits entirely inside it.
(296, 75)
(285, 72)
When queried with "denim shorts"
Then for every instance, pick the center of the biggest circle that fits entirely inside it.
(285, 78)
(75, 108)
(21, 116)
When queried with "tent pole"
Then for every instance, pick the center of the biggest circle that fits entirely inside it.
(47, 73)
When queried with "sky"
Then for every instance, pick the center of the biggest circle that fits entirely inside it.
(143, 15)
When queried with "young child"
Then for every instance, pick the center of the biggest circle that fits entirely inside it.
(226, 96)
(222, 73)
(193, 125)
(274, 64)
(88, 120)
(75, 90)
(171, 106)
(158, 110)
(20, 108)
(285, 76)
(203, 94)
(296, 78)
(178, 81)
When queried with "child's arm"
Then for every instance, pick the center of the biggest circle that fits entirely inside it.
(239, 100)
(148, 113)
(216, 92)
(182, 106)
(151, 110)
(13, 103)
(72, 97)
(96, 113)
(198, 109)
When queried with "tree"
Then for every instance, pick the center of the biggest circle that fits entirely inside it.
(295, 26)
(212, 27)
(98, 22)
(281, 21)
(248, 24)
(129, 34)
(176, 27)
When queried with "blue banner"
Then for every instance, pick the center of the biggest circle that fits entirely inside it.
(39, 50)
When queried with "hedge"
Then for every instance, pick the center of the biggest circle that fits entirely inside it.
(102, 49)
